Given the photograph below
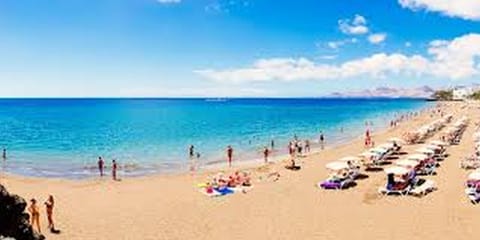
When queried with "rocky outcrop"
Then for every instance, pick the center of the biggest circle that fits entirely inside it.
(14, 221)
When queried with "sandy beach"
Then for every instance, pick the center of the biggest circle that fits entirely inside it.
(170, 206)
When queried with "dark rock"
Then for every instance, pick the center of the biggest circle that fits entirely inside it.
(15, 222)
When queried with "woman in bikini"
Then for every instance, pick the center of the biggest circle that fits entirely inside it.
(35, 214)
(49, 207)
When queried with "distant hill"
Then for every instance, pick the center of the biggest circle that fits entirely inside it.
(389, 92)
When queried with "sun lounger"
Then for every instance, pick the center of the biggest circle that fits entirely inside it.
(335, 184)
(423, 189)
(387, 191)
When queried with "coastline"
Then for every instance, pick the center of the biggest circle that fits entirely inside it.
(137, 168)
(380, 127)
(147, 154)
(170, 206)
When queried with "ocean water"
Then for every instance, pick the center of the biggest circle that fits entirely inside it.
(64, 137)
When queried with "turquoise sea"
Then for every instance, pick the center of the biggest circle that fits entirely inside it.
(64, 137)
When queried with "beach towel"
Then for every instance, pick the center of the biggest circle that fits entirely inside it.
(224, 191)
(212, 194)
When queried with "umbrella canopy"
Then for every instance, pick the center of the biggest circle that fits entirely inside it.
(433, 147)
(378, 150)
(407, 163)
(425, 150)
(349, 159)
(369, 154)
(417, 157)
(397, 140)
(397, 170)
(474, 175)
(337, 166)
(438, 143)
(386, 146)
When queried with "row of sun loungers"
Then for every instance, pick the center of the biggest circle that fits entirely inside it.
(426, 131)
(402, 177)
(472, 185)
(473, 161)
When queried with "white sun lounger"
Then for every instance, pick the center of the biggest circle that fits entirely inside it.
(385, 191)
(424, 189)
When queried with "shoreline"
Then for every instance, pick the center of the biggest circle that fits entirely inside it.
(170, 206)
(220, 165)
(248, 157)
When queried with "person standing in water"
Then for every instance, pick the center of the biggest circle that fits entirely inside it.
(229, 155)
(49, 207)
(272, 144)
(4, 154)
(191, 151)
(114, 170)
(34, 214)
(265, 154)
(322, 140)
(101, 164)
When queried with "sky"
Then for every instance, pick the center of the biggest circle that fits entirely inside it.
(234, 48)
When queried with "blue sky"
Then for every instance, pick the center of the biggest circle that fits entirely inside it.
(234, 47)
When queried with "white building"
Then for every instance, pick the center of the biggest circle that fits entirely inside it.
(461, 93)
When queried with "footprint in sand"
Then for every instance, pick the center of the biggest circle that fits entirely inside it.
(370, 197)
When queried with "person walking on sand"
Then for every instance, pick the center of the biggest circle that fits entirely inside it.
(265, 154)
(49, 207)
(229, 155)
(34, 214)
(307, 146)
(101, 164)
(114, 170)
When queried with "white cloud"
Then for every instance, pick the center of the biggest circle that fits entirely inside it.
(466, 9)
(455, 59)
(357, 26)
(377, 38)
(328, 57)
(168, 1)
(340, 43)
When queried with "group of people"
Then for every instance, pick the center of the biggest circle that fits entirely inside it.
(101, 167)
(34, 210)
(295, 148)
(237, 179)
